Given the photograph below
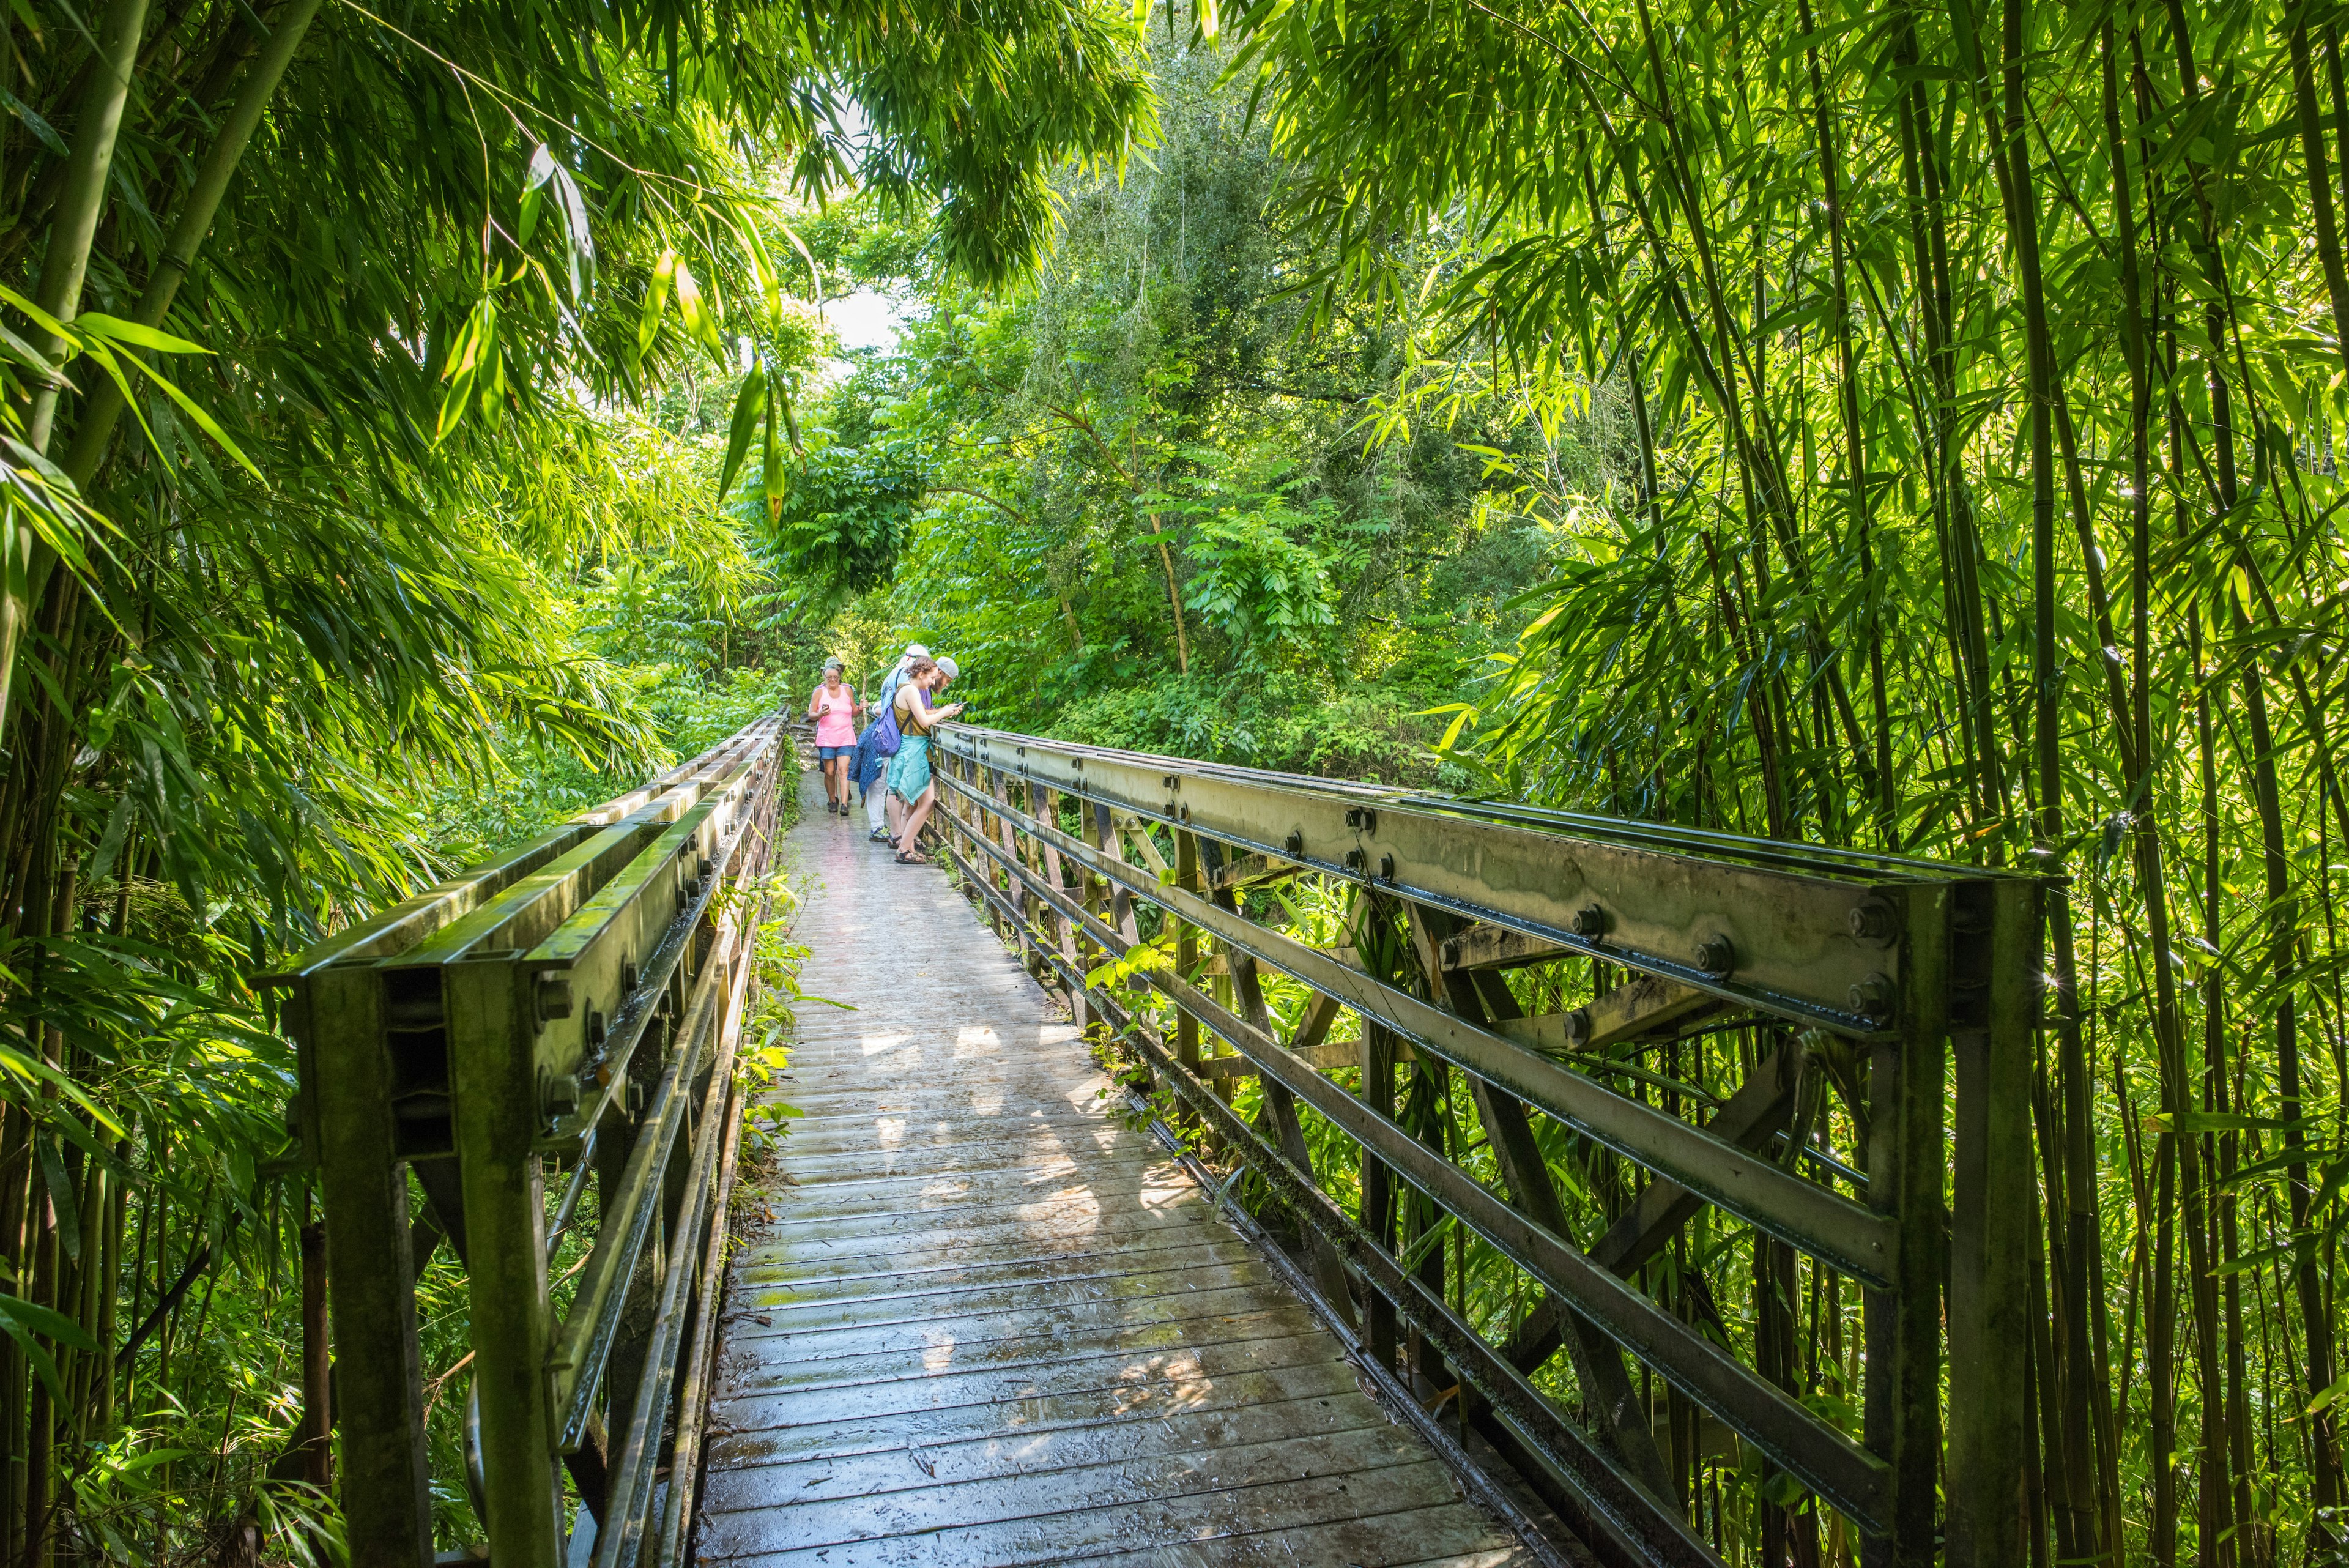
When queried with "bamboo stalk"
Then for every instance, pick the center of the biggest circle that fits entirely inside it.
(95, 428)
(73, 222)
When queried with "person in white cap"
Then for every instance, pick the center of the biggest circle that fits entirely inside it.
(890, 684)
(872, 777)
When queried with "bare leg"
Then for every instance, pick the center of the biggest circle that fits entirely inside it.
(896, 816)
(914, 817)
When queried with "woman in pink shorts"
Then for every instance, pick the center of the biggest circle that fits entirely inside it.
(833, 707)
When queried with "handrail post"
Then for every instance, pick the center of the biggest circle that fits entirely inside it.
(1901, 1417)
(1187, 958)
(1993, 1224)
(379, 1406)
(1045, 805)
(496, 1105)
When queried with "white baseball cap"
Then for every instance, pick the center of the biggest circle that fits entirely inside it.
(916, 650)
(950, 667)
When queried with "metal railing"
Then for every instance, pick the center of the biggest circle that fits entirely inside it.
(1911, 988)
(566, 1010)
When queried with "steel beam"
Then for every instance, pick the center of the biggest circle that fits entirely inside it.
(1642, 1005)
(1991, 1216)
(1894, 954)
(1809, 945)
(1481, 946)
(1901, 1413)
(1805, 1216)
(378, 1395)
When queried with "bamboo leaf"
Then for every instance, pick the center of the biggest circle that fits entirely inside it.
(694, 311)
(656, 301)
(42, 130)
(136, 334)
(65, 1201)
(750, 408)
(205, 420)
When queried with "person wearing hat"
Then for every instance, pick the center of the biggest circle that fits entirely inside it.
(871, 768)
(909, 771)
(833, 707)
(896, 677)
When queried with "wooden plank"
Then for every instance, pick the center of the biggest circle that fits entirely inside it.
(913, 1131)
(1027, 1389)
(1069, 1232)
(1131, 1399)
(1018, 1522)
(883, 1289)
(878, 1308)
(924, 1456)
(855, 1168)
(1047, 1342)
(896, 1257)
(1315, 1503)
(897, 1200)
(1180, 1316)
(1415, 1538)
(1178, 1250)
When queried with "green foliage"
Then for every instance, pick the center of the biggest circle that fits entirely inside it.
(1946, 407)
(1263, 571)
(841, 517)
(1292, 720)
(336, 554)
(1148, 510)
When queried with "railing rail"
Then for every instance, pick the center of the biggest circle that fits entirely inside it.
(571, 1006)
(1909, 986)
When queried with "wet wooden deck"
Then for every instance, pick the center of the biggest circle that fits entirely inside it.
(983, 1322)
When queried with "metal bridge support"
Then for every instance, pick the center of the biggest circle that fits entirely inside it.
(1991, 1224)
(347, 1116)
(1903, 1417)
(498, 1113)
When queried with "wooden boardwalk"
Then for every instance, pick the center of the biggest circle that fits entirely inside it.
(988, 1324)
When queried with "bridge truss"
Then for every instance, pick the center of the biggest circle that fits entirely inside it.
(1912, 988)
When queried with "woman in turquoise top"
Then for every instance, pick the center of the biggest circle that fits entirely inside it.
(909, 770)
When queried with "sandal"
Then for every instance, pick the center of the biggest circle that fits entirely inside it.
(905, 859)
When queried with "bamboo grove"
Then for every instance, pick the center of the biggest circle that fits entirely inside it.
(319, 506)
(1974, 375)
